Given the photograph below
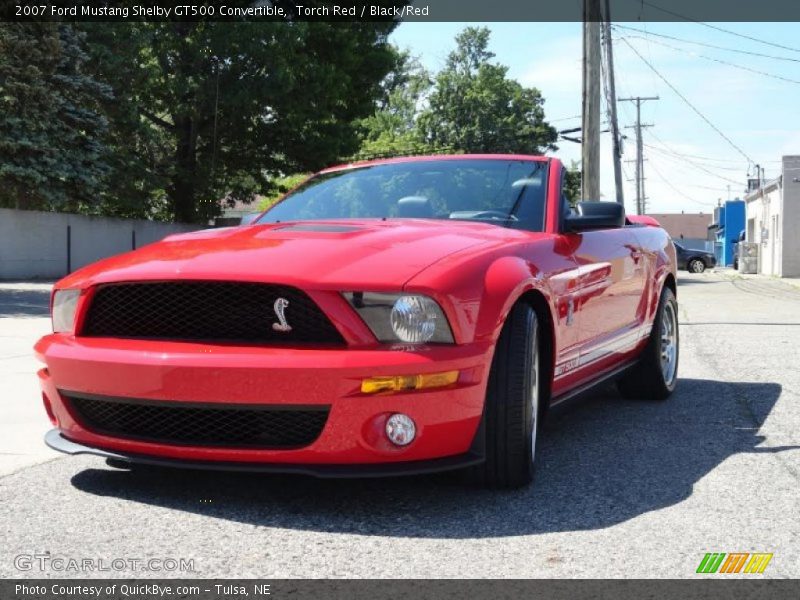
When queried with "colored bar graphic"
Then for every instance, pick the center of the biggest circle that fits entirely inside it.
(711, 562)
(734, 563)
(758, 563)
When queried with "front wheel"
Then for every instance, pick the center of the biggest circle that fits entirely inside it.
(696, 265)
(654, 377)
(513, 395)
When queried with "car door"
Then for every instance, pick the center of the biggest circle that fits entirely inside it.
(600, 298)
(610, 294)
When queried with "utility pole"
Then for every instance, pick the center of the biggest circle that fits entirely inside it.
(640, 195)
(590, 151)
(612, 102)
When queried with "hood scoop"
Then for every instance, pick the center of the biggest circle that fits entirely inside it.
(318, 227)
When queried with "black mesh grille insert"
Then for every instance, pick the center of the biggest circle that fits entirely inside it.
(207, 311)
(200, 425)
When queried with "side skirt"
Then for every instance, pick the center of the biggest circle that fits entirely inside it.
(575, 394)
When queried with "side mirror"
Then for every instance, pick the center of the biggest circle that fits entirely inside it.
(595, 215)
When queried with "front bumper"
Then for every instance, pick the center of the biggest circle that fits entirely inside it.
(352, 441)
(55, 440)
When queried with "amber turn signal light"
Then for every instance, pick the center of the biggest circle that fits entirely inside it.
(403, 383)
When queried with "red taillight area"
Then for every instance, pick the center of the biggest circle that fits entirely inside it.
(48, 408)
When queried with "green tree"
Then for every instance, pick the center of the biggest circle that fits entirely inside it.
(392, 128)
(474, 107)
(212, 110)
(281, 185)
(572, 185)
(51, 126)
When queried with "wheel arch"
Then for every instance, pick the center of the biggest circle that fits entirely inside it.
(536, 300)
(671, 283)
(508, 282)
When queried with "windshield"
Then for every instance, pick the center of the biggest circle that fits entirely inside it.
(510, 193)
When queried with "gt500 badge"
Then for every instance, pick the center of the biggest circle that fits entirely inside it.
(280, 312)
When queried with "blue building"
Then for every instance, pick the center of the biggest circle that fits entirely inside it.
(728, 223)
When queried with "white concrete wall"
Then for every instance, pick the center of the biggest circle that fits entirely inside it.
(33, 244)
(790, 219)
(761, 206)
(773, 221)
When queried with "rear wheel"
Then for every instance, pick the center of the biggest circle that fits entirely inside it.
(654, 377)
(511, 413)
(696, 265)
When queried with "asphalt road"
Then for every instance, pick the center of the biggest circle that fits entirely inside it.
(624, 489)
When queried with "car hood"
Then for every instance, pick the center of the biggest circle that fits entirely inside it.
(373, 254)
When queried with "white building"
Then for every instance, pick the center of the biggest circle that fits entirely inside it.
(773, 221)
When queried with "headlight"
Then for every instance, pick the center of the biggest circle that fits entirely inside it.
(409, 318)
(64, 304)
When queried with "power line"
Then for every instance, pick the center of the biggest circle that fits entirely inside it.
(678, 154)
(625, 174)
(687, 158)
(716, 60)
(716, 27)
(678, 191)
(640, 194)
(689, 104)
(706, 45)
(698, 157)
(709, 187)
(685, 162)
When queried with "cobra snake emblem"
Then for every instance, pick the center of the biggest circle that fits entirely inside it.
(280, 309)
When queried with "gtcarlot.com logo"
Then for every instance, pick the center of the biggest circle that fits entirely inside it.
(734, 562)
(70, 564)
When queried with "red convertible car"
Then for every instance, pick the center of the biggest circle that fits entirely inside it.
(397, 316)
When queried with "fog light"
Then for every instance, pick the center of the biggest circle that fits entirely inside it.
(400, 429)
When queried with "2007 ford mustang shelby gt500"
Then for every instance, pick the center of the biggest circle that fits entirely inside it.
(389, 317)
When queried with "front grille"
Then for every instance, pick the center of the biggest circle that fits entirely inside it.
(207, 311)
(265, 427)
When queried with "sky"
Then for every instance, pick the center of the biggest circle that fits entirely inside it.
(690, 166)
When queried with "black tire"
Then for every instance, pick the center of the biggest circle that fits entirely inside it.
(650, 379)
(696, 265)
(118, 463)
(514, 397)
